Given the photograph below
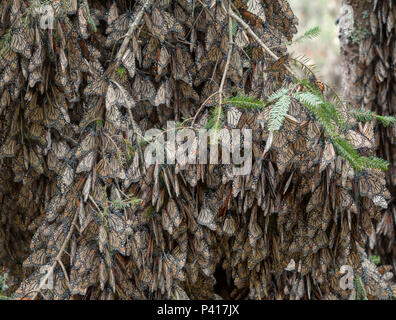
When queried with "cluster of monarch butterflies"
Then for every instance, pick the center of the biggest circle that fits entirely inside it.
(374, 75)
(71, 160)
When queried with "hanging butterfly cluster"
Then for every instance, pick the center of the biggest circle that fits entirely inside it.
(374, 77)
(72, 164)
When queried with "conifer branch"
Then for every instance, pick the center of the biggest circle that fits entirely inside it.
(278, 113)
(309, 34)
(246, 102)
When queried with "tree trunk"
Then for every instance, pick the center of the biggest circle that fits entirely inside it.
(368, 48)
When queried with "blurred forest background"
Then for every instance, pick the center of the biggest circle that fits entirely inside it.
(324, 50)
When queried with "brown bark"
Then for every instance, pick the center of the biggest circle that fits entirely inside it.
(368, 49)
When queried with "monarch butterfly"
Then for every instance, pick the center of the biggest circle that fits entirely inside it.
(206, 218)
(328, 156)
(314, 223)
(115, 169)
(371, 184)
(87, 144)
(38, 55)
(102, 238)
(313, 132)
(112, 13)
(306, 265)
(103, 275)
(4, 100)
(233, 117)
(358, 141)
(35, 259)
(181, 16)
(254, 230)
(8, 59)
(202, 248)
(180, 64)
(86, 163)
(141, 237)
(75, 59)
(256, 257)
(22, 41)
(9, 148)
(279, 141)
(36, 161)
(187, 92)
(98, 87)
(229, 226)
(128, 60)
(118, 28)
(171, 23)
(87, 263)
(248, 120)
(174, 213)
(63, 60)
(150, 52)
(190, 171)
(214, 54)
(66, 178)
(56, 237)
(114, 116)
(241, 39)
(8, 76)
(256, 7)
(180, 256)
(54, 116)
(284, 158)
(257, 53)
(158, 25)
(163, 94)
(29, 287)
(145, 277)
(162, 61)
(83, 23)
(84, 217)
(241, 276)
(133, 174)
(320, 85)
(367, 223)
(166, 222)
(144, 88)
(278, 69)
(208, 97)
(19, 168)
(380, 201)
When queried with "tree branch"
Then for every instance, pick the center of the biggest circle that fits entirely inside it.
(230, 46)
(131, 29)
(58, 257)
(256, 37)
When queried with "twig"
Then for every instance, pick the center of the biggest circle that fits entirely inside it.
(202, 106)
(131, 29)
(97, 207)
(230, 46)
(256, 37)
(58, 257)
(129, 108)
(65, 273)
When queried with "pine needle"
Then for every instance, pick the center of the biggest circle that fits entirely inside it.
(245, 102)
(278, 113)
(308, 35)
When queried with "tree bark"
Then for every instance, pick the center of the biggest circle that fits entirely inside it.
(368, 49)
